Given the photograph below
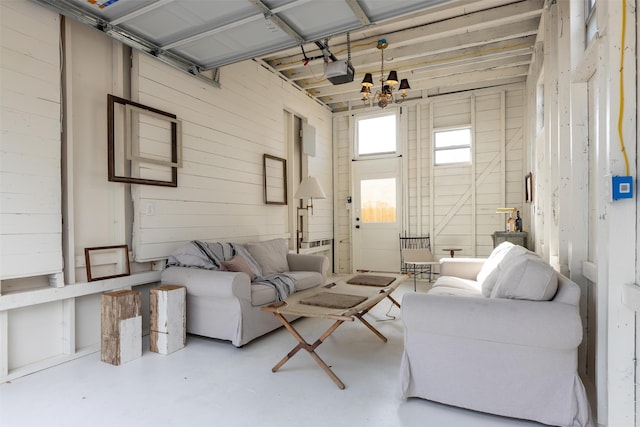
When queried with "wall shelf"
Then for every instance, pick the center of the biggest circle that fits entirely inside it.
(66, 295)
(30, 297)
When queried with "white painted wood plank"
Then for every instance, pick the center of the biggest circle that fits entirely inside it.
(40, 296)
(30, 123)
(32, 264)
(26, 202)
(30, 223)
(32, 17)
(38, 126)
(130, 339)
(4, 344)
(18, 65)
(21, 164)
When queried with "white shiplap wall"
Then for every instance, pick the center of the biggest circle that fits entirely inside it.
(30, 192)
(455, 204)
(226, 131)
(466, 197)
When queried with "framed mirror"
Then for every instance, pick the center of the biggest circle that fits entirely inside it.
(275, 180)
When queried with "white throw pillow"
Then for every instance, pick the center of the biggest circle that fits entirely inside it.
(492, 262)
(510, 254)
(527, 277)
(270, 254)
(457, 282)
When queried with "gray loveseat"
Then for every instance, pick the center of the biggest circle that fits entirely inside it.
(497, 335)
(227, 283)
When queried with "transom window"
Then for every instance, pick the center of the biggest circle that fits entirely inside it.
(452, 146)
(376, 135)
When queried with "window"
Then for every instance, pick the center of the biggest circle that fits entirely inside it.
(378, 200)
(376, 135)
(452, 146)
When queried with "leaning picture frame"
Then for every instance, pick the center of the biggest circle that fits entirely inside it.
(107, 262)
(275, 180)
(124, 159)
(528, 188)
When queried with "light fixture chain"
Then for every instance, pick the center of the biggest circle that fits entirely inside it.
(382, 68)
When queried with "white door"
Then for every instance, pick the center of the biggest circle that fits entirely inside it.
(376, 214)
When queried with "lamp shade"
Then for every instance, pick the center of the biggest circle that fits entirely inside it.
(392, 80)
(368, 80)
(310, 189)
(404, 84)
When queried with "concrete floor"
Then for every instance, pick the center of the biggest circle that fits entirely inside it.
(212, 383)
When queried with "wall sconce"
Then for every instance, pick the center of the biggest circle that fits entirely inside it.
(309, 189)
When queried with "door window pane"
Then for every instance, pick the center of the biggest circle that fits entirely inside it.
(378, 200)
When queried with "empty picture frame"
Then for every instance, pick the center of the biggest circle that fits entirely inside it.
(528, 188)
(275, 180)
(107, 262)
(144, 144)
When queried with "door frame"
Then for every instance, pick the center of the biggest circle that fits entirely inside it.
(401, 131)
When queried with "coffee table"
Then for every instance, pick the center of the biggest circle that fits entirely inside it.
(330, 302)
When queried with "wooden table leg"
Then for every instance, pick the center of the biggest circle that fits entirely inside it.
(396, 303)
(360, 317)
(310, 348)
(371, 328)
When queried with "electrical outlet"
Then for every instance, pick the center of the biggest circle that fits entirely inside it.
(622, 187)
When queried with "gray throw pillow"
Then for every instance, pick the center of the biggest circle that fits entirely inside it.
(270, 254)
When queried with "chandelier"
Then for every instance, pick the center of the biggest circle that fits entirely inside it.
(385, 95)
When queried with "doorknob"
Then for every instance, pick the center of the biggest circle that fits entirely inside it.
(357, 226)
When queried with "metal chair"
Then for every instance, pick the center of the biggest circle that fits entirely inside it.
(416, 257)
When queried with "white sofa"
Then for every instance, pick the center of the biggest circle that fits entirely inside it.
(227, 283)
(497, 335)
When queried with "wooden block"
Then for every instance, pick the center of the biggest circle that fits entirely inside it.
(121, 323)
(167, 306)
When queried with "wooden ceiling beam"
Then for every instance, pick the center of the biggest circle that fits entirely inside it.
(468, 23)
(477, 79)
(469, 54)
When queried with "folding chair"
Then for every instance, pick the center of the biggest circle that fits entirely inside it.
(416, 257)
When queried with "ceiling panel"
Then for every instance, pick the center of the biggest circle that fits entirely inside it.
(379, 10)
(181, 19)
(236, 44)
(316, 20)
(441, 46)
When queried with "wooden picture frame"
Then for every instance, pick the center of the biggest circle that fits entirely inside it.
(101, 262)
(123, 150)
(275, 180)
(528, 188)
